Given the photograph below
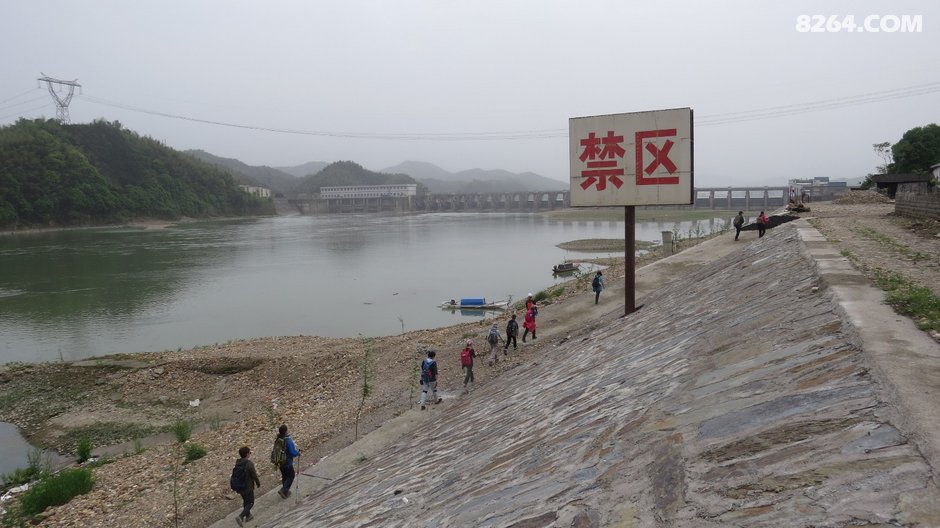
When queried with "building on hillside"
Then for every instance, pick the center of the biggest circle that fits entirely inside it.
(888, 183)
(935, 170)
(261, 192)
(402, 190)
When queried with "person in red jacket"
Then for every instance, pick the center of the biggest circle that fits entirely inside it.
(529, 322)
(762, 224)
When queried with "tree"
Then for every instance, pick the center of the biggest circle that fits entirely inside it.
(883, 150)
(917, 150)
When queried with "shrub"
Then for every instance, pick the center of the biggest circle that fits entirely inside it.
(56, 490)
(182, 429)
(84, 449)
(194, 452)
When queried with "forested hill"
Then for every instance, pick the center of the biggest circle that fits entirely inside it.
(349, 173)
(100, 173)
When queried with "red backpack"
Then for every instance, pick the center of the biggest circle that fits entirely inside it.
(465, 358)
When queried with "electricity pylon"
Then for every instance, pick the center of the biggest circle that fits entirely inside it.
(61, 103)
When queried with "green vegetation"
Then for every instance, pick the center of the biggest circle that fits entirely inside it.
(84, 449)
(62, 175)
(889, 243)
(194, 452)
(917, 302)
(368, 372)
(917, 150)
(182, 430)
(56, 490)
(34, 470)
(103, 433)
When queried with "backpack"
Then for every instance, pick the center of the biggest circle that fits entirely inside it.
(596, 282)
(237, 482)
(279, 452)
(426, 373)
(465, 358)
(493, 336)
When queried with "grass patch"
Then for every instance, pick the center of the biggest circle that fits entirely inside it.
(84, 449)
(917, 302)
(194, 452)
(104, 433)
(182, 430)
(889, 243)
(56, 490)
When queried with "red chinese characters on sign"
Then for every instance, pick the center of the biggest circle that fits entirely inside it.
(600, 155)
(660, 157)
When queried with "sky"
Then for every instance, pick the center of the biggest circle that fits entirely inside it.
(380, 82)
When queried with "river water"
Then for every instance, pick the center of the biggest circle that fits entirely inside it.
(74, 294)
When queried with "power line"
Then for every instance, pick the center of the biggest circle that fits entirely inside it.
(706, 120)
(19, 95)
(22, 112)
(23, 103)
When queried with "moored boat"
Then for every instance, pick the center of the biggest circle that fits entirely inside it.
(565, 267)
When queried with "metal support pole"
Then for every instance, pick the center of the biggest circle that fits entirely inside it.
(629, 259)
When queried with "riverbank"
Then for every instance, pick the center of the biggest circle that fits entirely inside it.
(243, 389)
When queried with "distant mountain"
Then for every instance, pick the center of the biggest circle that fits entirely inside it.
(439, 180)
(278, 181)
(305, 169)
(348, 173)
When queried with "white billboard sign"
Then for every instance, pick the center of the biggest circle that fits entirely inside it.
(640, 158)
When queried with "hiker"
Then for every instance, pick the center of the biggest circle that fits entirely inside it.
(597, 285)
(244, 481)
(738, 223)
(429, 379)
(283, 456)
(466, 363)
(529, 322)
(762, 224)
(493, 338)
(512, 330)
(528, 305)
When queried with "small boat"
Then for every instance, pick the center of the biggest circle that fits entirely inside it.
(474, 303)
(565, 267)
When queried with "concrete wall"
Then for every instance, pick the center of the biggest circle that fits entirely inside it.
(917, 200)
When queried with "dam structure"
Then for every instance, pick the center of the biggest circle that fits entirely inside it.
(738, 395)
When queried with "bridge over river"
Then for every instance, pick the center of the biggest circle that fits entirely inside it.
(724, 198)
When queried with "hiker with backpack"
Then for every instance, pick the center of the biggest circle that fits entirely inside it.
(493, 338)
(597, 285)
(466, 363)
(282, 456)
(529, 303)
(528, 322)
(512, 330)
(429, 380)
(244, 480)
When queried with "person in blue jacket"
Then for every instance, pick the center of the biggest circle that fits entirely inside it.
(287, 466)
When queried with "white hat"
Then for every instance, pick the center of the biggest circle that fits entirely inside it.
(530, 294)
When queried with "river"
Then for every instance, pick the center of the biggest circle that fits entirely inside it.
(74, 294)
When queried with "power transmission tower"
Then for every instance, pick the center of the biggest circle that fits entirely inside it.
(61, 103)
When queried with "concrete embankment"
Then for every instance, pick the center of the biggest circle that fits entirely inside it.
(740, 395)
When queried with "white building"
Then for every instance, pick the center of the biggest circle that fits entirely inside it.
(369, 191)
(257, 191)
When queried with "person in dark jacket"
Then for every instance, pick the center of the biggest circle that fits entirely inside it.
(597, 285)
(251, 482)
(429, 379)
(512, 330)
(287, 465)
(738, 223)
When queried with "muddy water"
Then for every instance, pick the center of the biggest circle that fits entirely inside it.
(76, 294)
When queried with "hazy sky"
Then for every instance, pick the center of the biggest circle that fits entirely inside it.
(413, 68)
